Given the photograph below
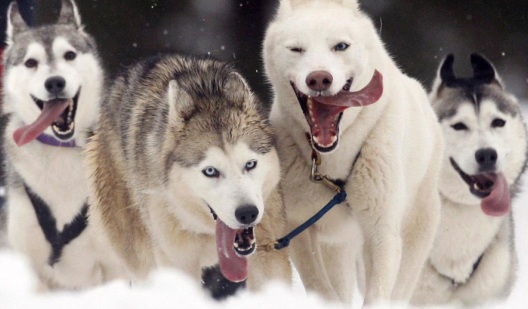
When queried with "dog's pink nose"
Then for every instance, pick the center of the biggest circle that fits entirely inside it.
(319, 80)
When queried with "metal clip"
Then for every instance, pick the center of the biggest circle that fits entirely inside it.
(269, 247)
(316, 177)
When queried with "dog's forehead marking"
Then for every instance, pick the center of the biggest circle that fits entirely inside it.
(61, 45)
(35, 51)
(452, 98)
(46, 36)
(192, 150)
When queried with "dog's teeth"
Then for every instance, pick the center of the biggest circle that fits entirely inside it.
(309, 103)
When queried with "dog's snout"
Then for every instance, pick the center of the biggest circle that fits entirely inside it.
(246, 214)
(55, 85)
(486, 158)
(319, 80)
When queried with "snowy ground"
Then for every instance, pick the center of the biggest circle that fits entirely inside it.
(169, 289)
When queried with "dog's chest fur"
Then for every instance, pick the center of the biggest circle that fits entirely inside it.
(55, 174)
(464, 235)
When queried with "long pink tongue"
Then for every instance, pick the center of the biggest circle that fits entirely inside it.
(497, 203)
(371, 93)
(50, 112)
(233, 267)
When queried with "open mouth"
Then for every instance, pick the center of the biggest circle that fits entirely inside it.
(58, 113)
(233, 247)
(491, 188)
(323, 113)
(480, 185)
(64, 125)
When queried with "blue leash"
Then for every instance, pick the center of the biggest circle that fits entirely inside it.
(316, 177)
(285, 241)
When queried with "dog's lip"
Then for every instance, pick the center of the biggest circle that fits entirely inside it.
(64, 126)
(480, 184)
(244, 242)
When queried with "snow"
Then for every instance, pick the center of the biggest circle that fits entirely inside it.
(168, 288)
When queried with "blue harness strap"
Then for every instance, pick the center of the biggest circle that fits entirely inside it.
(285, 241)
(315, 176)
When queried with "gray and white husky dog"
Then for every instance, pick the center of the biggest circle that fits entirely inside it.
(473, 258)
(184, 172)
(52, 84)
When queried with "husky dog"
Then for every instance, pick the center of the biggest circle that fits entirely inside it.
(326, 63)
(52, 82)
(473, 258)
(184, 172)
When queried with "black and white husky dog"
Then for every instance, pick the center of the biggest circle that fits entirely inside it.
(52, 84)
(473, 258)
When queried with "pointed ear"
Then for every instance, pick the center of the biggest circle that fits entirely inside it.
(285, 8)
(446, 72)
(445, 76)
(69, 14)
(483, 70)
(15, 22)
(180, 103)
(236, 89)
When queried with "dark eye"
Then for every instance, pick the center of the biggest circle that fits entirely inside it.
(459, 126)
(498, 123)
(211, 172)
(250, 165)
(31, 63)
(341, 46)
(70, 55)
(297, 50)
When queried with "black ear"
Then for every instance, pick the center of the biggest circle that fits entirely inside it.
(483, 70)
(447, 74)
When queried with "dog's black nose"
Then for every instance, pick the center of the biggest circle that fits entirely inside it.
(55, 85)
(319, 80)
(486, 158)
(246, 214)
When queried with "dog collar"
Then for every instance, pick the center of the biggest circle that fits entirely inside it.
(52, 141)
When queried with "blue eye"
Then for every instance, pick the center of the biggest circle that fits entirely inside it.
(211, 172)
(251, 165)
(341, 46)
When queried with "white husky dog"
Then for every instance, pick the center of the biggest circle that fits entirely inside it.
(473, 258)
(326, 62)
(52, 85)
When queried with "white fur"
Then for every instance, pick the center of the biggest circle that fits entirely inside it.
(394, 205)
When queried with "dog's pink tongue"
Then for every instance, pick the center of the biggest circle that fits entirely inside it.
(371, 93)
(50, 112)
(232, 266)
(497, 203)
